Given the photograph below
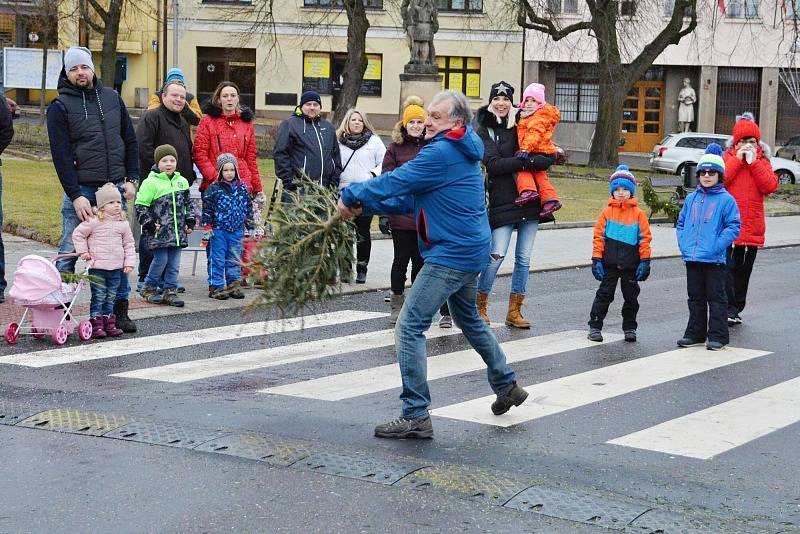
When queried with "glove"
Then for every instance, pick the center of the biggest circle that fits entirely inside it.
(260, 199)
(598, 270)
(521, 154)
(643, 270)
(149, 227)
(191, 222)
(540, 162)
(383, 225)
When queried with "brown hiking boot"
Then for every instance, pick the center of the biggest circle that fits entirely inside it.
(514, 316)
(218, 293)
(482, 302)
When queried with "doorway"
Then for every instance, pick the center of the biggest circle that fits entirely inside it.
(237, 65)
(643, 116)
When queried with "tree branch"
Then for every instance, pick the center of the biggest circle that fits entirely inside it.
(100, 10)
(528, 18)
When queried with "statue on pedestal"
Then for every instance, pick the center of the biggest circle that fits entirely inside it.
(420, 23)
(686, 100)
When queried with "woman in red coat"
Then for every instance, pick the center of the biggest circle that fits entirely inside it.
(227, 127)
(749, 178)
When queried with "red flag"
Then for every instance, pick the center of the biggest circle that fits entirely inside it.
(721, 6)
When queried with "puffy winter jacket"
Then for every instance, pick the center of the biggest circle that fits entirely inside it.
(227, 206)
(364, 162)
(234, 134)
(707, 225)
(402, 150)
(443, 185)
(500, 144)
(622, 234)
(307, 146)
(535, 131)
(164, 200)
(110, 242)
(750, 184)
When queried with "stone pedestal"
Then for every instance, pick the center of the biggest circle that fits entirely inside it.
(424, 86)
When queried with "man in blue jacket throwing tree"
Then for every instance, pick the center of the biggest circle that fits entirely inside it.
(444, 188)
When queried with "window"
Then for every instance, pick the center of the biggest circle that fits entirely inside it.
(235, 64)
(792, 9)
(577, 100)
(747, 9)
(322, 73)
(461, 74)
(570, 6)
(464, 6)
(669, 6)
(369, 4)
(627, 8)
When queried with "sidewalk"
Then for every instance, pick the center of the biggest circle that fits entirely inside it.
(556, 247)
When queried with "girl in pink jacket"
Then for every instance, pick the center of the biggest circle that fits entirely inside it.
(107, 241)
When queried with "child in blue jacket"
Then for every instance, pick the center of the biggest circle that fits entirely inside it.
(707, 225)
(227, 209)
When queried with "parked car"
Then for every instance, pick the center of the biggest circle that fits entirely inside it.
(791, 149)
(676, 150)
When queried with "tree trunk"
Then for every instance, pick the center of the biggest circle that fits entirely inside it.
(108, 62)
(356, 63)
(42, 96)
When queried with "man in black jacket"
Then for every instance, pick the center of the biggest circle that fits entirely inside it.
(92, 142)
(6, 134)
(165, 125)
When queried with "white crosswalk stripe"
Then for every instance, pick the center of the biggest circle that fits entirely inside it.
(135, 345)
(720, 428)
(600, 384)
(374, 379)
(271, 357)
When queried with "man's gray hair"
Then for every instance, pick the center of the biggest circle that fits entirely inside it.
(459, 106)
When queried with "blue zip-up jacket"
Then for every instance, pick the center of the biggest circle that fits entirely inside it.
(709, 222)
(444, 188)
(227, 205)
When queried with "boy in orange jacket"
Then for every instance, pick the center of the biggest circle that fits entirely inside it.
(535, 129)
(621, 252)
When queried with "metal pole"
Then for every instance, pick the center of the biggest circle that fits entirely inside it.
(164, 43)
(174, 33)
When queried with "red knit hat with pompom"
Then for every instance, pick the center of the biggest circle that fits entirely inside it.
(746, 127)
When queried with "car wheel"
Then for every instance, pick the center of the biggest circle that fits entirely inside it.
(785, 177)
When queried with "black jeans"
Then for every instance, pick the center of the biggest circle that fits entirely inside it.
(406, 248)
(145, 257)
(605, 296)
(708, 317)
(364, 245)
(740, 261)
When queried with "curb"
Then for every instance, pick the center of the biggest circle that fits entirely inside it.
(526, 493)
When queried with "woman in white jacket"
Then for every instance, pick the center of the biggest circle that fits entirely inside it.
(361, 151)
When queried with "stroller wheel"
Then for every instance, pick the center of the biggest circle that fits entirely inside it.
(12, 336)
(37, 334)
(85, 330)
(60, 334)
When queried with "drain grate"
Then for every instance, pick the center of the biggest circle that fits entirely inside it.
(254, 446)
(11, 413)
(473, 483)
(358, 466)
(75, 422)
(577, 506)
(165, 433)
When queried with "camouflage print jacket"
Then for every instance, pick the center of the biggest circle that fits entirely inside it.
(163, 209)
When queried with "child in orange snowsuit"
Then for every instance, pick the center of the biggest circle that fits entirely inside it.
(535, 130)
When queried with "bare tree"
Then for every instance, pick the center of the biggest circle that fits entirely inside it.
(617, 72)
(106, 21)
(356, 63)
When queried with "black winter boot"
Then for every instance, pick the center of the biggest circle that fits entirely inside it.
(123, 321)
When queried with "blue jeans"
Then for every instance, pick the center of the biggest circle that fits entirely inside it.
(226, 256)
(65, 246)
(164, 267)
(434, 286)
(2, 248)
(104, 293)
(501, 239)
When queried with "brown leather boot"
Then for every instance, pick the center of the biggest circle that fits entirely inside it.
(482, 302)
(514, 316)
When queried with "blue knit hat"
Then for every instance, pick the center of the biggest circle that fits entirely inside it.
(175, 74)
(712, 160)
(622, 177)
(310, 96)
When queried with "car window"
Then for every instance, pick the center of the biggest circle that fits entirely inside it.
(688, 142)
(664, 141)
(719, 140)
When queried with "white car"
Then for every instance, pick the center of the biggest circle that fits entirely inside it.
(676, 150)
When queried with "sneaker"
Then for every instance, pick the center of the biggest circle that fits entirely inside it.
(715, 345)
(181, 289)
(234, 291)
(361, 278)
(403, 428)
(526, 197)
(218, 293)
(170, 298)
(733, 321)
(446, 321)
(595, 335)
(549, 207)
(630, 336)
(515, 396)
(686, 342)
(152, 294)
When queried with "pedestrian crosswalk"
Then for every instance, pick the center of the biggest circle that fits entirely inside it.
(702, 434)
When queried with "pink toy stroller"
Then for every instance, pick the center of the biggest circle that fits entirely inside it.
(38, 287)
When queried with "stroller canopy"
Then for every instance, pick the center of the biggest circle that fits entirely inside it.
(35, 278)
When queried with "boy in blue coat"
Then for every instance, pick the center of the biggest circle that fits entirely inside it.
(227, 208)
(707, 225)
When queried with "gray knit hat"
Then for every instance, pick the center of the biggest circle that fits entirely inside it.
(224, 158)
(78, 55)
(107, 193)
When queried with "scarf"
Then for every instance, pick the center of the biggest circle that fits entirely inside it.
(355, 141)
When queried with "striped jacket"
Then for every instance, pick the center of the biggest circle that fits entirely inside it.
(622, 235)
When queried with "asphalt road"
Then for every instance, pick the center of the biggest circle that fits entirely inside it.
(582, 399)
